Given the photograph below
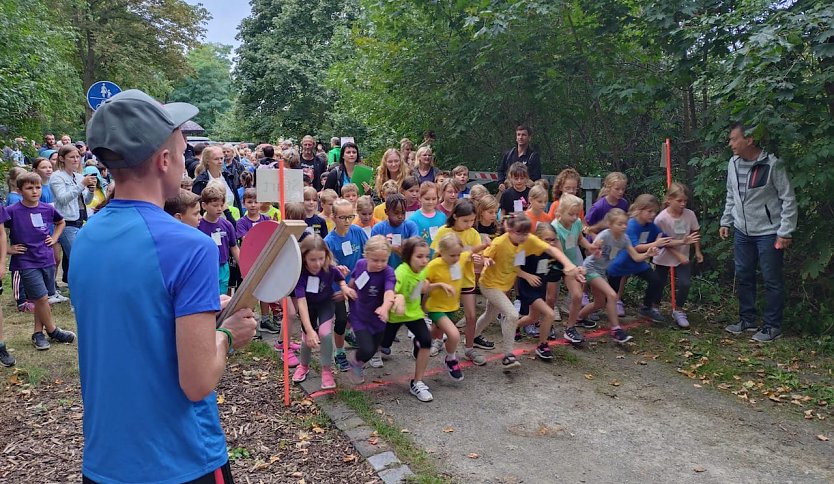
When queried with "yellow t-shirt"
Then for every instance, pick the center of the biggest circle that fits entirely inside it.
(503, 273)
(329, 222)
(470, 238)
(273, 214)
(438, 271)
(379, 212)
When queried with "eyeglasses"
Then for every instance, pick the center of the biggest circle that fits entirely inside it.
(346, 218)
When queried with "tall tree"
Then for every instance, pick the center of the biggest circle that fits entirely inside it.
(281, 66)
(209, 85)
(134, 43)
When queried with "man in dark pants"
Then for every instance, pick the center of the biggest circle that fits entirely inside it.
(761, 207)
(523, 153)
(147, 383)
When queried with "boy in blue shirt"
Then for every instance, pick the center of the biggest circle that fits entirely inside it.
(396, 229)
(221, 231)
(347, 244)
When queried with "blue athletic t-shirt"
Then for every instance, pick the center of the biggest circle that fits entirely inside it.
(347, 250)
(623, 264)
(427, 227)
(134, 270)
(405, 230)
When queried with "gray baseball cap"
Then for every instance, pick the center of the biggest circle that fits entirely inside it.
(131, 126)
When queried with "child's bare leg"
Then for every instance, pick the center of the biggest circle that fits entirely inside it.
(445, 326)
(575, 295)
(43, 315)
(544, 313)
(471, 315)
(607, 296)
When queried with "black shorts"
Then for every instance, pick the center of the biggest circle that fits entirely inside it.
(221, 475)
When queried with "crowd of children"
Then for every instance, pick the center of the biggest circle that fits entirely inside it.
(412, 250)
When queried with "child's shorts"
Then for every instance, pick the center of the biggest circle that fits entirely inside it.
(436, 316)
(36, 282)
(468, 290)
(224, 278)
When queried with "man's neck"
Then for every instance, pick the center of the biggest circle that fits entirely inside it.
(143, 192)
(751, 154)
(522, 149)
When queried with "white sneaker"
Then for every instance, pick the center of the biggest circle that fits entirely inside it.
(680, 319)
(57, 298)
(376, 361)
(421, 391)
(436, 346)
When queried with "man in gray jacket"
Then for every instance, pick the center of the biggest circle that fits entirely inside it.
(761, 206)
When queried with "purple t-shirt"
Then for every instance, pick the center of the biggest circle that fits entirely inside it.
(602, 207)
(244, 225)
(223, 234)
(370, 296)
(326, 278)
(30, 226)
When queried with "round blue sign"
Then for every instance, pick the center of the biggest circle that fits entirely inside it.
(101, 91)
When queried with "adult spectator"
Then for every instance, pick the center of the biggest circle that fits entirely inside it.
(342, 173)
(71, 192)
(232, 164)
(150, 412)
(14, 153)
(269, 155)
(312, 165)
(193, 161)
(761, 207)
(85, 153)
(335, 151)
(66, 140)
(406, 152)
(524, 153)
(48, 144)
(425, 169)
(212, 168)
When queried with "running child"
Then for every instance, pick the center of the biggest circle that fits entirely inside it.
(313, 296)
(374, 281)
(365, 219)
(350, 192)
(395, 228)
(486, 217)
(460, 223)
(427, 219)
(410, 288)
(267, 322)
(448, 196)
(346, 243)
(537, 212)
(609, 242)
(509, 251)
(533, 278)
(681, 224)
(516, 198)
(643, 235)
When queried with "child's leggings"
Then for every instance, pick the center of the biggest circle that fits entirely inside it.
(422, 336)
(654, 286)
(325, 332)
(498, 302)
(367, 344)
(683, 281)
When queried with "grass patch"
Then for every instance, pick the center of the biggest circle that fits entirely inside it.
(417, 459)
(794, 372)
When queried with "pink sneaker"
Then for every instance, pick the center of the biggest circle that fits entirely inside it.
(292, 360)
(300, 373)
(327, 381)
(294, 346)
(26, 307)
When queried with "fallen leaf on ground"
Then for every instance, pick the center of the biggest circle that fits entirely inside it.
(699, 469)
(448, 430)
(405, 431)
(473, 455)
(620, 357)
(349, 458)
(589, 376)
(318, 430)
(823, 438)
(614, 383)
(373, 440)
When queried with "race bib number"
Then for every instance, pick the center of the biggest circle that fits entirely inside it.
(415, 294)
(519, 258)
(37, 220)
(570, 242)
(309, 230)
(217, 237)
(543, 267)
(396, 240)
(347, 249)
(433, 232)
(644, 237)
(680, 227)
(367, 231)
(362, 280)
(312, 285)
(455, 271)
(518, 206)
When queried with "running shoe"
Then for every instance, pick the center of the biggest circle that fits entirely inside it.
(573, 335)
(421, 391)
(454, 370)
(483, 343)
(376, 361)
(300, 373)
(342, 361)
(620, 336)
(475, 357)
(543, 352)
(327, 380)
(509, 362)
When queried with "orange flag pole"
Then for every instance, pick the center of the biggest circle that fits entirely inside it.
(285, 333)
(668, 184)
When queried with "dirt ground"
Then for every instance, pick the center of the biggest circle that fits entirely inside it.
(599, 414)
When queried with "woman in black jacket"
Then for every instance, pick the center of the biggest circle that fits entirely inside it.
(342, 173)
(211, 168)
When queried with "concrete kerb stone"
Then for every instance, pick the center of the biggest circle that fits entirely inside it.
(381, 456)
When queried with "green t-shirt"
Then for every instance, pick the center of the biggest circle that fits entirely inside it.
(333, 156)
(409, 284)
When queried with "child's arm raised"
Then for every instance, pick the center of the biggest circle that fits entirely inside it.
(569, 268)
(387, 303)
(638, 257)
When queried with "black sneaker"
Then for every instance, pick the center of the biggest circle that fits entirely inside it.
(5, 358)
(268, 325)
(518, 335)
(342, 361)
(62, 335)
(350, 339)
(483, 343)
(586, 323)
(39, 342)
(573, 335)
(454, 370)
(543, 352)
(620, 336)
(510, 361)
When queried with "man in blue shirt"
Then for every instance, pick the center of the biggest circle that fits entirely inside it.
(150, 412)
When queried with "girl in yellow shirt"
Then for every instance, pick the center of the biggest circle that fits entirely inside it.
(509, 251)
(460, 222)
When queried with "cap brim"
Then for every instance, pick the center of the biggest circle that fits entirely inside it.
(180, 112)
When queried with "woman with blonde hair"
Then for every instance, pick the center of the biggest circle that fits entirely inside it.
(391, 167)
